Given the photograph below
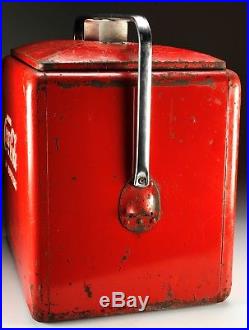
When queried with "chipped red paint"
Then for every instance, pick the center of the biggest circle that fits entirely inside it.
(74, 141)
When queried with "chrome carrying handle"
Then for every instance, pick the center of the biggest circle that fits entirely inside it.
(142, 144)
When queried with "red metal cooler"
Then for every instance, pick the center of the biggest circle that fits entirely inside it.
(120, 172)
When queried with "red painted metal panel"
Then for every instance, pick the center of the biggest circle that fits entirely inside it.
(74, 142)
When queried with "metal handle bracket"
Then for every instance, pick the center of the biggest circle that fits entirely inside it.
(141, 175)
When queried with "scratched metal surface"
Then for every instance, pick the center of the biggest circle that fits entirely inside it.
(231, 313)
(77, 55)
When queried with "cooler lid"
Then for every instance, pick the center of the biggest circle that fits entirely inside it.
(73, 55)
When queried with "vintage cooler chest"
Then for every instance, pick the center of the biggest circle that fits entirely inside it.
(120, 171)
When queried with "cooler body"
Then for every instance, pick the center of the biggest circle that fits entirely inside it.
(68, 155)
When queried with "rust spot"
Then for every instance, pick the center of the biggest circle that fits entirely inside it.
(48, 61)
(42, 316)
(163, 81)
(169, 293)
(53, 317)
(174, 303)
(178, 82)
(126, 255)
(95, 83)
(39, 316)
(40, 290)
(57, 143)
(42, 87)
(88, 291)
(224, 294)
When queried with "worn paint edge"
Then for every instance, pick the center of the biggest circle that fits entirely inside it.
(231, 154)
(159, 306)
(208, 81)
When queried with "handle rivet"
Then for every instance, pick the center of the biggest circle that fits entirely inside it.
(142, 181)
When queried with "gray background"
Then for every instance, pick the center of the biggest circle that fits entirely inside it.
(218, 29)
